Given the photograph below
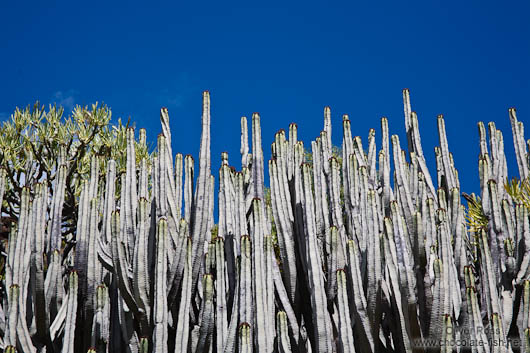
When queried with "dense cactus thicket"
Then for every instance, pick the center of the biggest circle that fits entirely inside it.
(347, 254)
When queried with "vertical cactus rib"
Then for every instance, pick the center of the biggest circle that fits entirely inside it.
(120, 263)
(42, 319)
(93, 267)
(476, 326)
(333, 264)
(207, 315)
(200, 218)
(407, 110)
(100, 325)
(345, 325)
(246, 311)
(172, 191)
(82, 242)
(284, 228)
(257, 159)
(10, 336)
(188, 187)
(109, 202)
(488, 275)
(160, 310)
(183, 319)
(284, 345)
(143, 177)
(518, 142)
(69, 328)
(130, 194)
(418, 150)
(524, 228)
(245, 338)
(17, 264)
(321, 319)
(327, 124)
(141, 271)
(221, 313)
(444, 149)
(53, 285)
(57, 211)
(161, 179)
(402, 186)
(374, 263)
(179, 172)
(285, 302)
(3, 179)
(363, 328)
(231, 336)
(262, 275)
(244, 142)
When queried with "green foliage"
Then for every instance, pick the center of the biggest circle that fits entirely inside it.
(519, 191)
(476, 219)
(35, 141)
(215, 232)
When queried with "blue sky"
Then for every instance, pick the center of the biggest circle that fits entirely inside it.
(468, 60)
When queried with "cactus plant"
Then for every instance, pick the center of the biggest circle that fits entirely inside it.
(119, 251)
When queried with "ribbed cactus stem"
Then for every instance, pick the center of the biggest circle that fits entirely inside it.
(120, 263)
(246, 305)
(160, 309)
(257, 158)
(93, 266)
(345, 326)
(179, 172)
(364, 329)
(418, 150)
(3, 177)
(57, 210)
(519, 144)
(221, 315)
(183, 322)
(188, 187)
(69, 328)
(262, 275)
(244, 142)
(320, 316)
(284, 227)
(207, 315)
(245, 338)
(53, 285)
(144, 345)
(10, 336)
(42, 319)
(407, 110)
(141, 270)
(100, 326)
(130, 194)
(444, 150)
(199, 221)
(284, 345)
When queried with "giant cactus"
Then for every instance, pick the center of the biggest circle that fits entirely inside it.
(346, 255)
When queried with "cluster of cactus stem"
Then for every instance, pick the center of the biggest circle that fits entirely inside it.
(345, 255)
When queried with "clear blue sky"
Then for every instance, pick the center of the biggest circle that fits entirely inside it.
(468, 60)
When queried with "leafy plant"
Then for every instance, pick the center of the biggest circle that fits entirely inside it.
(475, 216)
(519, 191)
(35, 142)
